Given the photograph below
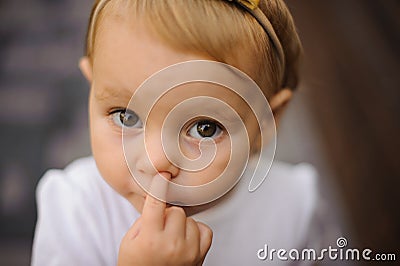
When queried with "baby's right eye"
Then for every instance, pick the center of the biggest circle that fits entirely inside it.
(126, 119)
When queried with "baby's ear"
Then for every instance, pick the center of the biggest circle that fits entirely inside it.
(279, 101)
(86, 68)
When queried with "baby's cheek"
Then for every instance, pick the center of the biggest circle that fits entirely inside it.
(116, 173)
(220, 161)
(111, 163)
(216, 168)
(223, 155)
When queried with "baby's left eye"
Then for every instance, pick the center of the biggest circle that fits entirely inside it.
(205, 129)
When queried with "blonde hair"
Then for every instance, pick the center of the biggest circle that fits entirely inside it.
(219, 28)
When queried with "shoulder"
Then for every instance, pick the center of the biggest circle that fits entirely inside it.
(294, 192)
(297, 173)
(293, 188)
(79, 180)
(288, 199)
(81, 219)
(80, 187)
(78, 176)
(291, 198)
(296, 181)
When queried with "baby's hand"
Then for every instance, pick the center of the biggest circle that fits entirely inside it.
(164, 236)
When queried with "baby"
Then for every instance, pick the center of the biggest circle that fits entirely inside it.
(117, 206)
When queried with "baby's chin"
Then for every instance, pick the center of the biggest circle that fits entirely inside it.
(192, 210)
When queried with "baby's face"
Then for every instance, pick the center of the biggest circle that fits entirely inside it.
(126, 54)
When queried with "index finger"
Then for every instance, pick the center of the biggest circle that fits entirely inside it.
(153, 213)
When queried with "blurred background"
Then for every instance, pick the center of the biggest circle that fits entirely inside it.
(345, 118)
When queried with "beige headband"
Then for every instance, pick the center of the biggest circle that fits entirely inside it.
(251, 6)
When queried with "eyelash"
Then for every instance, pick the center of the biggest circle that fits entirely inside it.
(115, 117)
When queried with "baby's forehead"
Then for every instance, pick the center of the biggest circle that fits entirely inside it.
(199, 93)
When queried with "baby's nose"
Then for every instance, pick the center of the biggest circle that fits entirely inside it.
(155, 156)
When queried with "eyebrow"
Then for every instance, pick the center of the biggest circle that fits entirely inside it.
(107, 93)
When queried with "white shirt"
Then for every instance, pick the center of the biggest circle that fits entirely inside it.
(81, 219)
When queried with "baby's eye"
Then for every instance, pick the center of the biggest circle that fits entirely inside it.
(205, 129)
(126, 118)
